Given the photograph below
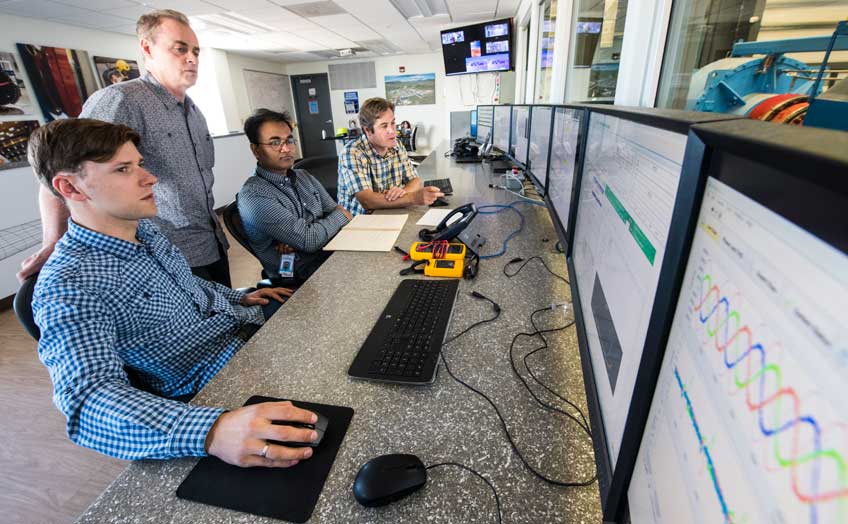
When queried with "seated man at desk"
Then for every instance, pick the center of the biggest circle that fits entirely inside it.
(375, 171)
(282, 208)
(116, 297)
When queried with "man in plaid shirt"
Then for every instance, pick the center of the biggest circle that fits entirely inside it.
(116, 295)
(375, 171)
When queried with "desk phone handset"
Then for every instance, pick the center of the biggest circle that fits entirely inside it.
(449, 228)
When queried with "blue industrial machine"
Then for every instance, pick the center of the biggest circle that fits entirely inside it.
(759, 81)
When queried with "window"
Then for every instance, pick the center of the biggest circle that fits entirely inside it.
(702, 33)
(545, 59)
(598, 29)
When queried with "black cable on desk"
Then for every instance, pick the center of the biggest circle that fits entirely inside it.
(527, 261)
(463, 466)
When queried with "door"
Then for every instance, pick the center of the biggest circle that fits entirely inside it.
(312, 104)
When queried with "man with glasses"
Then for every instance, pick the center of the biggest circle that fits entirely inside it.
(175, 142)
(287, 214)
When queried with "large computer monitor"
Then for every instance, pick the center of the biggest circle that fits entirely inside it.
(500, 128)
(567, 138)
(485, 118)
(748, 420)
(473, 130)
(519, 137)
(632, 206)
(539, 145)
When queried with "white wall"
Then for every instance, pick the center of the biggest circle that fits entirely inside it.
(238, 63)
(454, 93)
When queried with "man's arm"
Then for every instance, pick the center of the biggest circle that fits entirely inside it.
(285, 226)
(54, 223)
(414, 195)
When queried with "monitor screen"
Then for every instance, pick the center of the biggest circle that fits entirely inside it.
(478, 48)
(563, 168)
(748, 420)
(631, 172)
(540, 143)
(500, 129)
(485, 118)
(473, 131)
(519, 135)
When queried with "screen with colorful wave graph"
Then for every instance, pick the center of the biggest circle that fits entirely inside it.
(749, 419)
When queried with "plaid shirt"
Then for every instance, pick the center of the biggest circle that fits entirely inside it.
(361, 168)
(103, 303)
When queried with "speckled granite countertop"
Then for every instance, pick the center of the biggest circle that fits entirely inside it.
(304, 352)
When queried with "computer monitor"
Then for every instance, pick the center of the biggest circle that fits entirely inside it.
(632, 206)
(541, 119)
(520, 134)
(485, 118)
(473, 130)
(748, 420)
(567, 138)
(500, 129)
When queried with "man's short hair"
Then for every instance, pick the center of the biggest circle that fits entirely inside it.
(261, 116)
(148, 22)
(371, 110)
(63, 145)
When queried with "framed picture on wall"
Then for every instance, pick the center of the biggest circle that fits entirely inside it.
(14, 96)
(62, 79)
(115, 70)
(14, 138)
(408, 90)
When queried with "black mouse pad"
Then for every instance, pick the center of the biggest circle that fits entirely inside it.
(281, 493)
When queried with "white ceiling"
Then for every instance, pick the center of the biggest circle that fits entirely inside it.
(273, 29)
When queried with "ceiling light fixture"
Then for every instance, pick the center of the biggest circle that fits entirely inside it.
(232, 23)
(421, 8)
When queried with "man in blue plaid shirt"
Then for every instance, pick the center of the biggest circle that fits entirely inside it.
(116, 295)
(375, 171)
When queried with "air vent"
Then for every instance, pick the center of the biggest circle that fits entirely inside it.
(356, 75)
(314, 9)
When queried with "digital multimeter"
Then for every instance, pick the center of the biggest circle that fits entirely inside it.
(424, 251)
(444, 268)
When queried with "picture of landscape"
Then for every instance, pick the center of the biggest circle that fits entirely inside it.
(410, 90)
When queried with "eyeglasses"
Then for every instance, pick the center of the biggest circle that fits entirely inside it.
(278, 144)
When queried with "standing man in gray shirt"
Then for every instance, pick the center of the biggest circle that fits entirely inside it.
(176, 146)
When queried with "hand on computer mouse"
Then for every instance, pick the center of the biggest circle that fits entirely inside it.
(439, 202)
(427, 195)
(248, 436)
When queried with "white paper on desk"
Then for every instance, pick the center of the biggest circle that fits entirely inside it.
(378, 222)
(363, 240)
(434, 217)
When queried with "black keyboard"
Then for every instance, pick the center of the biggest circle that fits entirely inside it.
(405, 342)
(443, 184)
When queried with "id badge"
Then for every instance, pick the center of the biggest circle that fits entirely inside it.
(287, 266)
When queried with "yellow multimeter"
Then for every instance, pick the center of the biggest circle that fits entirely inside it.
(444, 268)
(424, 251)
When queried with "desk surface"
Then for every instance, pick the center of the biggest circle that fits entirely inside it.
(304, 352)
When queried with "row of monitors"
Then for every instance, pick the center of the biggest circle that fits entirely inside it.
(709, 273)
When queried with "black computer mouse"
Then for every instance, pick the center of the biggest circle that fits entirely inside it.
(388, 478)
(320, 427)
(439, 202)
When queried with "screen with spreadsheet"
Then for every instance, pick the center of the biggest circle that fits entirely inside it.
(748, 420)
(540, 143)
(500, 129)
(520, 135)
(631, 172)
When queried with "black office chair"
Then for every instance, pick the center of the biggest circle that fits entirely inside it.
(23, 307)
(323, 168)
(232, 220)
(412, 144)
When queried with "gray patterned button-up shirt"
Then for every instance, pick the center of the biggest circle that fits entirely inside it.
(177, 148)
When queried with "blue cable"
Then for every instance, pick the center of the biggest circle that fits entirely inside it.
(503, 207)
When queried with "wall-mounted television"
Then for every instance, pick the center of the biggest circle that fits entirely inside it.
(478, 48)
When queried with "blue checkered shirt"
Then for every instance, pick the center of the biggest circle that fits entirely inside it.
(104, 304)
(361, 168)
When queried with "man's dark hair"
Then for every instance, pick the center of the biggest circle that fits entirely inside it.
(63, 145)
(261, 116)
(371, 110)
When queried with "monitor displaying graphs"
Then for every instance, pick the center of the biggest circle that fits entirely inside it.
(540, 141)
(563, 162)
(519, 137)
(631, 173)
(500, 132)
(749, 421)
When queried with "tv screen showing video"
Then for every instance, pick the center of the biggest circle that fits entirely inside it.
(478, 48)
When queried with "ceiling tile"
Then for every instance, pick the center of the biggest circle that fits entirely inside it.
(243, 5)
(347, 26)
(133, 12)
(98, 5)
(41, 9)
(187, 7)
(94, 19)
(313, 9)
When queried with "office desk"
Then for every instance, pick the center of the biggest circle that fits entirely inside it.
(304, 352)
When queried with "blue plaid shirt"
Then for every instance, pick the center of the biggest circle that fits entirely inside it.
(361, 168)
(103, 303)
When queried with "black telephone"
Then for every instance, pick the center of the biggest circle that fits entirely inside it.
(465, 148)
(447, 230)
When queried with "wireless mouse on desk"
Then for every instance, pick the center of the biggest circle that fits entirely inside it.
(320, 427)
(388, 478)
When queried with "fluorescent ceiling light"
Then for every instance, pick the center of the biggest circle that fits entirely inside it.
(421, 8)
(231, 23)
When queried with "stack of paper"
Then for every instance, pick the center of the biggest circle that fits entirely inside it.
(368, 233)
